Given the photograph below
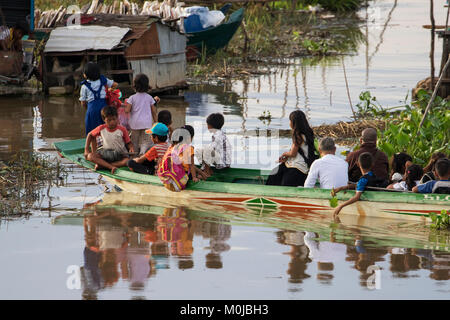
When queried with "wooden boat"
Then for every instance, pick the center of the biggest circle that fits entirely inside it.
(235, 187)
(212, 39)
(375, 232)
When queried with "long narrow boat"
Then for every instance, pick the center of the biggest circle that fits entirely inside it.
(214, 38)
(235, 187)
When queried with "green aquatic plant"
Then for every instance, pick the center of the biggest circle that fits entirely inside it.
(440, 221)
(402, 131)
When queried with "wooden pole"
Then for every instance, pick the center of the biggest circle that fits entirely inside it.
(432, 43)
(348, 91)
(434, 93)
(446, 20)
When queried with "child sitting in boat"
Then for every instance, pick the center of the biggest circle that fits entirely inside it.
(142, 110)
(441, 184)
(411, 179)
(365, 164)
(113, 153)
(218, 153)
(429, 168)
(399, 162)
(148, 162)
(177, 165)
(165, 117)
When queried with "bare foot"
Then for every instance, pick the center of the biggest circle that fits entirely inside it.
(96, 167)
(113, 169)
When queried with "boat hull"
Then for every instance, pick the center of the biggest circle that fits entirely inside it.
(298, 205)
(236, 188)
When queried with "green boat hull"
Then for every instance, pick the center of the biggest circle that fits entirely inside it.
(215, 38)
(236, 187)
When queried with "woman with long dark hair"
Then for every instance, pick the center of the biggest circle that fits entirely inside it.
(295, 164)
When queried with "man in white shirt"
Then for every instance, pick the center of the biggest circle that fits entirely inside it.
(330, 170)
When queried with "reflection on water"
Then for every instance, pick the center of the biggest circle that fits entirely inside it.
(142, 247)
(135, 247)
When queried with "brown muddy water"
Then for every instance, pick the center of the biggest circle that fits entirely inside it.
(87, 242)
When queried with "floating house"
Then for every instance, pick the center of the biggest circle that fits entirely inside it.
(123, 46)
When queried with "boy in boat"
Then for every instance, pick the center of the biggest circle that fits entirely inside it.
(165, 117)
(218, 153)
(148, 162)
(441, 184)
(116, 141)
(365, 164)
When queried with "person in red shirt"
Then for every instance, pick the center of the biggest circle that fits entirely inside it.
(368, 142)
(148, 162)
(113, 153)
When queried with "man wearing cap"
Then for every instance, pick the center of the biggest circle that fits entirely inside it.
(148, 162)
(330, 170)
(368, 142)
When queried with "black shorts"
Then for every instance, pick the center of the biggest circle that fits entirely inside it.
(110, 155)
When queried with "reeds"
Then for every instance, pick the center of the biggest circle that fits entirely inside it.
(25, 180)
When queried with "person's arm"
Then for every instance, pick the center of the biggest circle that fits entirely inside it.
(130, 147)
(415, 189)
(84, 104)
(90, 142)
(128, 105)
(155, 118)
(140, 159)
(291, 153)
(312, 177)
(353, 199)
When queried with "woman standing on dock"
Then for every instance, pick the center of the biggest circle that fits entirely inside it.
(295, 163)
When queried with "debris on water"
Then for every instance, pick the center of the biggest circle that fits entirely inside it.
(25, 180)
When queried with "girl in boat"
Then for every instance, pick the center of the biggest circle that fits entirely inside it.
(295, 163)
(93, 95)
(413, 173)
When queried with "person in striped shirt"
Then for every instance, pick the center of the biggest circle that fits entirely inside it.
(148, 162)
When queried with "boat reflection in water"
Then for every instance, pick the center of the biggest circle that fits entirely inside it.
(134, 246)
(128, 242)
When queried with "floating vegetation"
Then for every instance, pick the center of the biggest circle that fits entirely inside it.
(25, 180)
(440, 221)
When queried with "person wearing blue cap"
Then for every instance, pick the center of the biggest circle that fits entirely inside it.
(148, 162)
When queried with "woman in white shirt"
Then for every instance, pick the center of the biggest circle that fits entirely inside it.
(295, 163)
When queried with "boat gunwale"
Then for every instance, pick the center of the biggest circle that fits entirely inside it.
(243, 189)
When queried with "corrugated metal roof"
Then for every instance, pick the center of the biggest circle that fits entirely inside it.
(65, 39)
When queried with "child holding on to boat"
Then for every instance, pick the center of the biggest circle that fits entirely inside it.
(142, 110)
(177, 165)
(412, 176)
(295, 163)
(116, 141)
(368, 179)
(441, 184)
(93, 95)
(149, 162)
(218, 153)
(165, 117)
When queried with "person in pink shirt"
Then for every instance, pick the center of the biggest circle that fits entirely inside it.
(113, 153)
(142, 110)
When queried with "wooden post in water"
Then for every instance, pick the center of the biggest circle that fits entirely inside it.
(348, 91)
(432, 43)
(434, 93)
